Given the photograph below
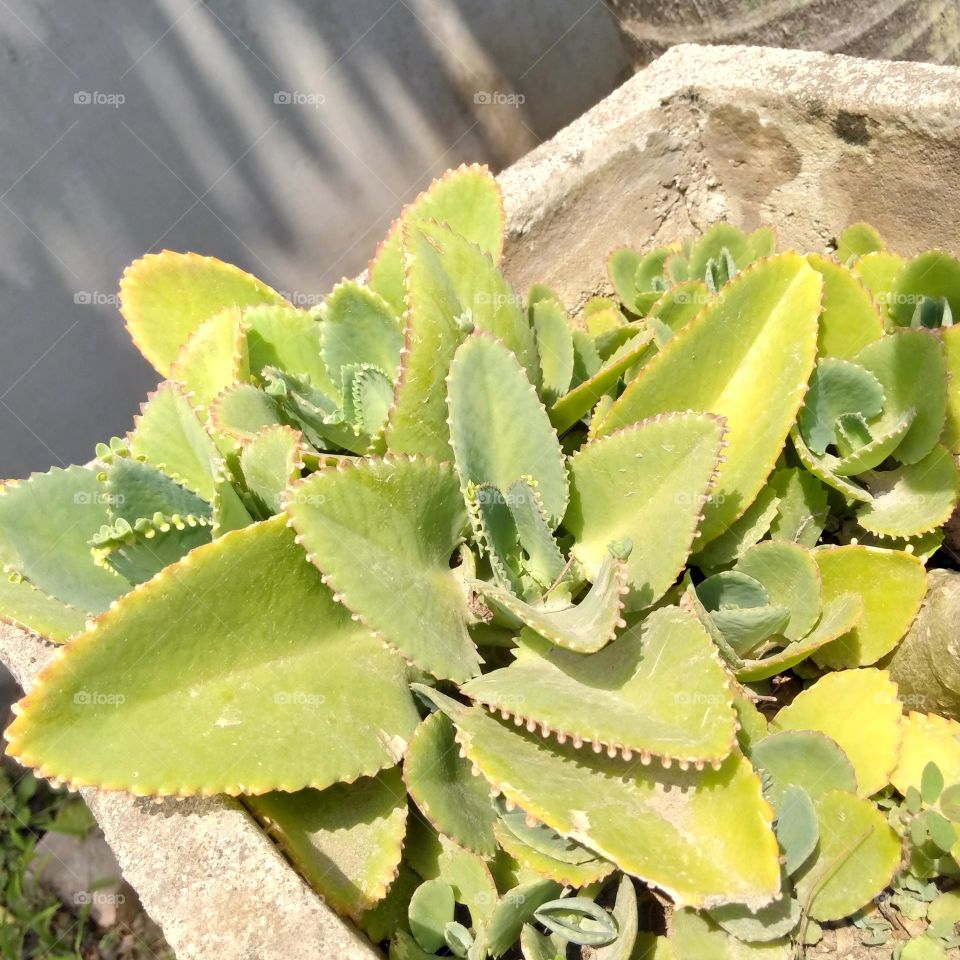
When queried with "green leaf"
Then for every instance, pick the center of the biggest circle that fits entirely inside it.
(742, 534)
(922, 948)
(942, 832)
(214, 357)
(695, 935)
(442, 785)
(589, 870)
(288, 339)
(584, 627)
(383, 533)
(359, 327)
(625, 915)
(431, 909)
(911, 369)
(243, 410)
(866, 726)
(499, 431)
(622, 267)
(164, 297)
(270, 463)
(46, 523)
(745, 331)
(468, 199)
(879, 271)
(137, 490)
(513, 910)
(857, 857)
(658, 689)
(717, 239)
(797, 827)
(931, 274)
(702, 837)
(389, 915)
(850, 319)
(555, 348)
(768, 924)
(950, 338)
(928, 739)
(856, 241)
(651, 476)
(538, 838)
(345, 840)
(891, 584)
(578, 920)
(195, 704)
(23, 605)
(913, 499)
(542, 557)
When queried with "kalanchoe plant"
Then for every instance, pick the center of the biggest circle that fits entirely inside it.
(475, 604)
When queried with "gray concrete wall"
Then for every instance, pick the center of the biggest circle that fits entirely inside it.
(281, 136)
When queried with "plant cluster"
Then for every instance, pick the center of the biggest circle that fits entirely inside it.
(501, 620)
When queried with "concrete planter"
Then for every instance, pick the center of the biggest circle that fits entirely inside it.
(806, 141)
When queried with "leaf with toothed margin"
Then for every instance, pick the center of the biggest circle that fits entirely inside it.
(140, 550)
(345, 840)
(576, 875)
(468, 199)
(289, 339)
(229, 513)
(576, 404)
(767, 925)
(389, 916)
(870, 450)
(705, 838)
(850, 319)
(657, 689)
(841, 614)
(819, 467)
(137, 490)
(802, 508)
(514, 909)
(858, 709)
(499, 430)
(551, 327)
(933, 274)
(214, 357)
(243, 410)
(625, 914)
(383, 532)
(194, 704)
(359, 327)
(913, 499)
(164, 297)
(23, 605)
(696, 935)
(45, 525)
(856, 241)
(169, 435)
(622, 267)
(584, 627)
(803, 758)
(879, 272)
(651, 476)
(950, 338)
(443, 786)
(857, 856)
(742, 534)
(586, 359)
(927, 738)
(270, 462)
(891, 584)
(497, 534)
(911, 369)
(760, 335)
(541, 838)
(541, 556)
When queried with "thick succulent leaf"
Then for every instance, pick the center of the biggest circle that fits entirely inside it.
(797, 827)
(443, 786)
(555, 348)
(550, 868)
(840, 615)
(766, 925)
(789, 574)
(837, 387)
(270, 463)
(214, 357)
(926, 738)
(165, 296)
(383, 532)
(496, 532)
(721, 236)
(576, 404)
(696, 935)
(659, 688)
(23, 605)
(289, 339)
(950, 338)
(499, 430)
(741, 535)
(914, 499)
(933, 274)
(468, 199)
(345, 840)
(194, 705)
(243, 410)
(541, 838)
(431, 909)
(46, 523)
(869, 450)
(802, 508)
(858, 709)
(389, 915)
(622, 267)
(140, 551)
(891, 584)
(702, 837)
(513, 910)
(625, 914)
(760, 334)
(404, 947)
(857, 856)
(229, 513)
(857, 240)
(584, 627)
(542, 557)
(802, 758)
(879, 271)
(169, 435)
(138, 490)
(745, 628)
(822, 469)
(850, 319)
(359, 327)
(652, 476)
(910, 366)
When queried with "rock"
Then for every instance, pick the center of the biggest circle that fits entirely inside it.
(926, 664)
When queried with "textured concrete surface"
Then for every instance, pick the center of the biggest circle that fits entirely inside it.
(805, 141)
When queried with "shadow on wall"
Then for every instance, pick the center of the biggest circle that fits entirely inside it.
(283, 137)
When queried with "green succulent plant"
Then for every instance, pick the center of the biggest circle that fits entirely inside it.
(474, 603)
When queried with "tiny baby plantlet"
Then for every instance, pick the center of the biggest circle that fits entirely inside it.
(474, 603)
